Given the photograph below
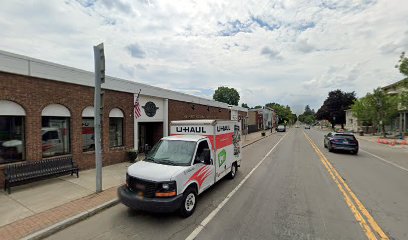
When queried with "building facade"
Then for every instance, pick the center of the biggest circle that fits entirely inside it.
(352, 123)
(398, 88)
(46, 111)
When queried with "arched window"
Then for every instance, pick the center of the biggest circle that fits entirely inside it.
(88, 129)
(55, 131)
(12, 144)
(116, 127)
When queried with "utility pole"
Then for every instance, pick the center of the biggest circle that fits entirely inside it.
(99, 57)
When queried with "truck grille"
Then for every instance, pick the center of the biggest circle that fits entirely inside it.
(148, 188)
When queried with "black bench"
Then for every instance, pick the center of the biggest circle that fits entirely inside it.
(21, 173)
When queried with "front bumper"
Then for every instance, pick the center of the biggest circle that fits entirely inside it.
(133, 201)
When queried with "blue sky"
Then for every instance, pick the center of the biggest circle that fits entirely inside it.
(290, 52)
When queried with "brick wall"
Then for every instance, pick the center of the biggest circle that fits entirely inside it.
(33, 94)
(188, 111)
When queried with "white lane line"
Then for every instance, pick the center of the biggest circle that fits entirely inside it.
(210, 216)
(386, 161)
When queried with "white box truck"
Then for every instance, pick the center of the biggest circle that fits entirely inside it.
(197, 154)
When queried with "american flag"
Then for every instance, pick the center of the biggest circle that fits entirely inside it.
(138, 111)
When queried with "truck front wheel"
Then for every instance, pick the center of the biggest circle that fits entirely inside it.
(233, 172)
(189, 202)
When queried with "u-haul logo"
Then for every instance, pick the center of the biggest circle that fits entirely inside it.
(190, 130)
(223, 128)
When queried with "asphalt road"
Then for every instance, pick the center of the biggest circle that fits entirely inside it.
(293, 194)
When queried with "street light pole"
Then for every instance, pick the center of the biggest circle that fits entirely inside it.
(99, 58)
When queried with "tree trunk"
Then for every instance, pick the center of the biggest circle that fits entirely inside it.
(383, 129)
(342, 126)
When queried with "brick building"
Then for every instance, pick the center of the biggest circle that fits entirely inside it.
(46, 110)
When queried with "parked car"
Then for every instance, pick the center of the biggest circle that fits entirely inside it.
(341, 141)
(307, 126)
(281, 128)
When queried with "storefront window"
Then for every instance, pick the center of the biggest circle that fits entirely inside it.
(11, 139)
(88, 134)
(115, 131)
(55, 134)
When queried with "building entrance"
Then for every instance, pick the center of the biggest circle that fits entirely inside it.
(149, 134)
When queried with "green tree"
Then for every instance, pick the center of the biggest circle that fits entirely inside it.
(384, 107)
(257, 107)
(227, 95)
(378, 108)
(244, 105)
(284, 113)
(333, 108)
(362, 110)
(308, 116)
(402, 64)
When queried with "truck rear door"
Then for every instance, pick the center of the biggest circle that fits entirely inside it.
(228, 148)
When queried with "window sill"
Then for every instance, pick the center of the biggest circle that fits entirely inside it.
(118, 148)
(88, 152)
(58, 156)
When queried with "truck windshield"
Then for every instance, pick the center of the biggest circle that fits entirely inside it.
(174, 152)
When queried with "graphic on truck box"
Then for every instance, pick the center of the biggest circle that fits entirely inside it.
(236, 139)
(200, 176)
(222, 157)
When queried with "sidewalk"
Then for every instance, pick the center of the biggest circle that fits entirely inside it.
(395, 143)
(36, 210)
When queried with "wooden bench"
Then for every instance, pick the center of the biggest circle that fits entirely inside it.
(22, 173)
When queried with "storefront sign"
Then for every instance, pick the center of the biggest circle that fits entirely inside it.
(150, 109)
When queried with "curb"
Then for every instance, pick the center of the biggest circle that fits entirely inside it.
(259, 139)
(70, 221)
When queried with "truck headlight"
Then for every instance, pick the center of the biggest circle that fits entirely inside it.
(165, 186)
(167, 189)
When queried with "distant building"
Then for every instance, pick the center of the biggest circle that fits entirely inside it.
(261, 119)
(399, 123)
(352, 123)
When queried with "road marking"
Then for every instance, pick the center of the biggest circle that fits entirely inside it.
(210, 216)
(347, 193)
(384, 160)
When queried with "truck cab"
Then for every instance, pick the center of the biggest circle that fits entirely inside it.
(182, 166)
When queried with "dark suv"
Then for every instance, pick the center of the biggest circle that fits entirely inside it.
(341, 141)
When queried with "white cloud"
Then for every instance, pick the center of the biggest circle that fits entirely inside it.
(291, 52)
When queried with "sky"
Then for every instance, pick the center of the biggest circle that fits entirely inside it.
(289, 52)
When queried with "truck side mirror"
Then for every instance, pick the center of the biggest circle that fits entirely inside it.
(207, 156)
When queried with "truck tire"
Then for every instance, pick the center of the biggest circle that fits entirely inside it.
(233, 172)
(189, 202)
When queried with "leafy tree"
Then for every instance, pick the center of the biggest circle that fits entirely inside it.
(257, 107)
(377, 107)
(333, 108)
(284, 113)
(384, 107)
(227, 95)
(308, 116)
(402, 64)
(361, 109)
(403, 98)
(244, 105)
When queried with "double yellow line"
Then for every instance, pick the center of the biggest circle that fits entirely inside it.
(369, 225)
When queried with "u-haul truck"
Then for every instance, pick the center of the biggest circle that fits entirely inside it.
(196, 155)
